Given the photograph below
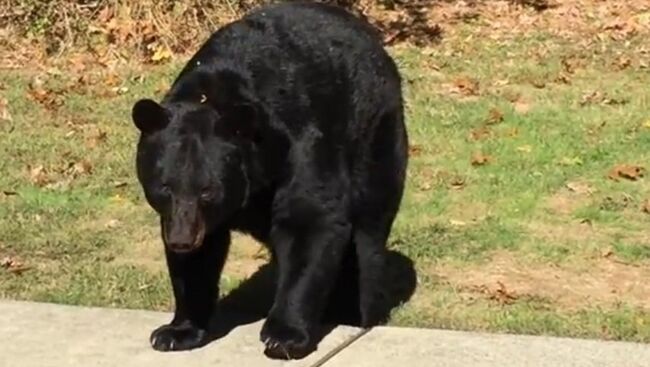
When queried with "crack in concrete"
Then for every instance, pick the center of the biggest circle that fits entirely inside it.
(339, 348)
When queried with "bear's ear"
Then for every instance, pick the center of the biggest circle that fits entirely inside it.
(148, 116)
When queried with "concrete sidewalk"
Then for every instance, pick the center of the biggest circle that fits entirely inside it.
(45, 335)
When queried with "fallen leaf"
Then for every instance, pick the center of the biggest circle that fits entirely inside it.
(539, 84)
(112, 80)
(568, 65)
(623, 63)
(425, 186)
(81, 168)
(4, 110)
(457, 223)
(48, 98)
(415, 150)
(480, 159)
(502, 295)
(563, 78)
(38, 176)
(96, 137)
(138, 79)
(467, 86)
(161, 53)
(480, 133)
(592, 97)
(494, 117)
(627, 171)
(119, 90)
(614, 101)
(13, 265)
(580, 188)
(457, 183)
(607, 252)
(525, 149)
(645, 207)
(597, 97)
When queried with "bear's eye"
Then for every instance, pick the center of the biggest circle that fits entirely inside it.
(207, 194)
(165, 189)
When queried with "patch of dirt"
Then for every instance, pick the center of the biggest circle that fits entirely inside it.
(569, 231)
(246, 256)
(561, 203)
(600, 282)
(467, 211)
(566, 200)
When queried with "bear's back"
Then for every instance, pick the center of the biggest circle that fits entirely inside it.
(311, 63)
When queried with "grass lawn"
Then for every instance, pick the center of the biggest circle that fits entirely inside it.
(524, 210)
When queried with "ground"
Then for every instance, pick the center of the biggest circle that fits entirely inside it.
(526, 207)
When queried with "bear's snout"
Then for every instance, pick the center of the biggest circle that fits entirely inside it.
(185, 228)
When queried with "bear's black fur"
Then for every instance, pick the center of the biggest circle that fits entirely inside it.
(288, 125)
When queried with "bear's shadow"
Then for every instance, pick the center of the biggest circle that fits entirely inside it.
(251, 301)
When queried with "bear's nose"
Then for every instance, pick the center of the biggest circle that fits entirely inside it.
(184, 229)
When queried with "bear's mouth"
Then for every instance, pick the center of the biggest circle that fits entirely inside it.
(183, 234)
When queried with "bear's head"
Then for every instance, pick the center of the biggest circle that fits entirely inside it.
(194, 153)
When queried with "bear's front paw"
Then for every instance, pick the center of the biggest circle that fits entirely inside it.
(282, 341)
(178, 337)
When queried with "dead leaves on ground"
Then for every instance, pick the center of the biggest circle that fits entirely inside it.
(499, 294)
(645, 206)
(580, 188)
(51, 90)
(480, 133)
(464, 87)
(38, 176)
(601, 98)
(415, 150)
(495, 116)
(426, 179)
(480, 159)
(626, 171)
(48, 97)
(13, 265)
(60, 177)
(95, 138)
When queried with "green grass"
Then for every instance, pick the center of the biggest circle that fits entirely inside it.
(89, 238)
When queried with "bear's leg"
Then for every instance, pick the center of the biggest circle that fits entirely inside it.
(375, 210)
(195, 278)
(308, 262)
(370, 244)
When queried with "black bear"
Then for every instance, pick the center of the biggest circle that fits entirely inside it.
(287, 125)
